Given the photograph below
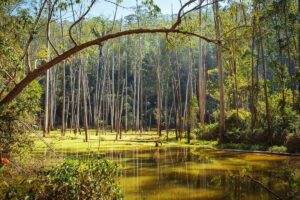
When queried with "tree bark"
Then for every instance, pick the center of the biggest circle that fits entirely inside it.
(84, 104)
(158, 101)
(220, 72)
(265, 88)
(175, 110)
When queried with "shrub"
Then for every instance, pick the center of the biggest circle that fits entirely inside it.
(92, 179)
(207, 132)
(277, 149)
(13, 135)
(258, 136)
(243, 119)
(293, 143)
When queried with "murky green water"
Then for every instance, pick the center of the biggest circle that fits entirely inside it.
(180, 173)
(188, 173)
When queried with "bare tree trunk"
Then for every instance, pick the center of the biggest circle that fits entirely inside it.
(179, 94)
(235, 94)
(288, 52)
(265, 87)
(235, 81)
(134, 94)
(141, 81)
(166, 114)
(220, 71)
(50, 101)
(121, 110)
(253, 102)
(138, 99)
(204, 83)
(84, 104)
(158, 101)
(101, 94)
(201, 79)
(175, 111)
(78, 99)
(63, 82)
(189, 115)
(67, 113)
(113, 91)
(118, 86)
(282, 73)
(46, 106)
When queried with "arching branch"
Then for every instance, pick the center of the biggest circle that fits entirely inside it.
(48, 24)
(81, 18)
(37, 72)
(26, 52)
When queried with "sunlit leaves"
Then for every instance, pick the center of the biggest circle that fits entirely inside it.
(151, 6)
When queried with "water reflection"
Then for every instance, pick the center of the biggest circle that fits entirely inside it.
(185, 173)
(190, 173)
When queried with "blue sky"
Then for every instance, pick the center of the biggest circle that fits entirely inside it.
(107, 9)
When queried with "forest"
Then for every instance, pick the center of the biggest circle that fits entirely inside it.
(175, 99)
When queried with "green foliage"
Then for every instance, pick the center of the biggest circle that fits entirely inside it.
(277, 149)
(207, 132)
(152, 7)
(73, 179)
(13, 134)
(292, 143)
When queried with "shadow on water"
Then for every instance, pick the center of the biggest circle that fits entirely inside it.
(188, 173)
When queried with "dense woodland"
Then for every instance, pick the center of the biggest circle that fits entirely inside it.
(226, 70)
(222, 74)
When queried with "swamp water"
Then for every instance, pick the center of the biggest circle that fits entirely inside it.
(177, 173)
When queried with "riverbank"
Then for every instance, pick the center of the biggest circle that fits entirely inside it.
(131, 140)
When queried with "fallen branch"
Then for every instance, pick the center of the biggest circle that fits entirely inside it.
(38, 135)
(261, 184)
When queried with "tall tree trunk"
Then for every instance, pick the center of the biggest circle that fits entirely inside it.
(265, 88)
(63, 82)
(46, 106)
(175, 111)
(137, 122)
(220, 72)
(158, 101)
(201, 78)
(253, 102)
(288, 52)
(141, 77)
(134, 93)
(189, 115)
(84, 103)
(179, 94)
(236, 103)
(45, 131)
(118, 92)
(204, 83)
(77, 126)
(166, 108)
(121, 110)
(101, 94)
(67, 113)
(282, 73)
(112, 91)
(50, 101)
